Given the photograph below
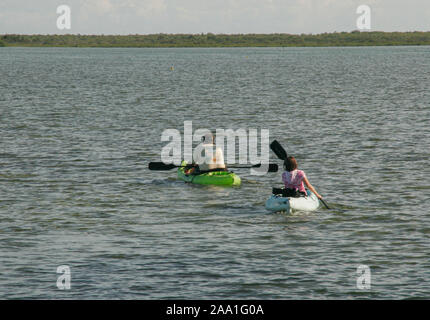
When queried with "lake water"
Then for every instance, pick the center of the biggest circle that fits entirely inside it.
(78, 128)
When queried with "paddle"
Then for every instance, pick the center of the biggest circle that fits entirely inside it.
(325, 204)
(282, 154)
(160, 166)
(278, 150)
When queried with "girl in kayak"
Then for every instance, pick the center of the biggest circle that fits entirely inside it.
(294, 179)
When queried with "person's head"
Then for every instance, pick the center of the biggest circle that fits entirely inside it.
(290, 164)
(208, 138)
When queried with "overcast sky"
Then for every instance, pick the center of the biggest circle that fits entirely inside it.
(216, 16)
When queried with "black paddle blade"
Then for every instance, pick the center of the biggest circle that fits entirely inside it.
(160, 166)
(278, 150)
(273, 167)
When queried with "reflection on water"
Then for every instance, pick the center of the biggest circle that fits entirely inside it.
(79, 126)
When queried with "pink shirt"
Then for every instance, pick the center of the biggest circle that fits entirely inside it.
(294, 180)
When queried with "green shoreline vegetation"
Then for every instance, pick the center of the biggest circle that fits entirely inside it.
(336, 39)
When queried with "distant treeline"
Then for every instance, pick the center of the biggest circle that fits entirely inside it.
(354, 38)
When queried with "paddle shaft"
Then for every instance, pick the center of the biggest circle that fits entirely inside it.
(273, 167)
(325, 204)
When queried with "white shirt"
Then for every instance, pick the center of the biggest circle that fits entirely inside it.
(207, 159)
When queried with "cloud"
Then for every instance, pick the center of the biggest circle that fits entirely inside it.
(217, 16)
(151, 7)
(119, 16)
(139, 7)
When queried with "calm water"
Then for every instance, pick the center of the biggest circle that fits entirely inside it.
(79, 126)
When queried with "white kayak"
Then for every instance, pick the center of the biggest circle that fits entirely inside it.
(288, 204)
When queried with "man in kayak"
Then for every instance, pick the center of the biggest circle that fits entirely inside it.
(208, 157)
(294, 180)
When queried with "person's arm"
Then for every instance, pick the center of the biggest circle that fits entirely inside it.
(310, 187)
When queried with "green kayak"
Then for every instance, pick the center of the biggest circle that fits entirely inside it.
(218, 178)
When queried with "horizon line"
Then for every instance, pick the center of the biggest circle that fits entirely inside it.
(208, 33)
